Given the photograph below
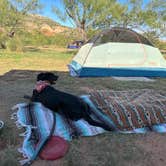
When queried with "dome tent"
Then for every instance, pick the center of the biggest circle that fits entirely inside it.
(118, 52)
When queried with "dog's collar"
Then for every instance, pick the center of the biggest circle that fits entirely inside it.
(40, 85)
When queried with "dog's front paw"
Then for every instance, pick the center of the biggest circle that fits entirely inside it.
(75, 135)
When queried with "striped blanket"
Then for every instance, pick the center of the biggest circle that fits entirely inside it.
(128, 110)
(119, 109)
(40, 123)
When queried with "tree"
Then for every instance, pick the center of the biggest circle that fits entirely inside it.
(84, 14)
(126, 15)
(158, 24)
(149, 16)
(12, 14)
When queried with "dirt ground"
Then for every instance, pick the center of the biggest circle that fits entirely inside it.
(109, 149)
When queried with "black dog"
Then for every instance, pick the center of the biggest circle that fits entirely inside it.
(70, 106)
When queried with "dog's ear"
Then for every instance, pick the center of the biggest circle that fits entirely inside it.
(47, 76)
(41, 77)
(54, 77)
(51, 77)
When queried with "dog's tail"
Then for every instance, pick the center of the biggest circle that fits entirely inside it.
(27, 97)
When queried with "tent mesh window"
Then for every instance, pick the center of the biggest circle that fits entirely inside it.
(121, 35)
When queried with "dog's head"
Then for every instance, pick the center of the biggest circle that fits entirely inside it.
(47, 76)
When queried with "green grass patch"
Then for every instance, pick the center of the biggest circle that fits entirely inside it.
(39, 53)
(35, 60)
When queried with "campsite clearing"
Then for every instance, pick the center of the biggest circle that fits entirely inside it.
(18, 74)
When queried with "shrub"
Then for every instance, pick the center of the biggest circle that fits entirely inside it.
(15, 44)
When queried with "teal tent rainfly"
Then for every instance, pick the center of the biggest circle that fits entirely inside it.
(118, 52)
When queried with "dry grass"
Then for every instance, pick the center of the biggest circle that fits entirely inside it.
(37, 60)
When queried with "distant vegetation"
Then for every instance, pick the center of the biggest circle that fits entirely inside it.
(37, 38)
(42, 31)
(19, 29)
(38, 31)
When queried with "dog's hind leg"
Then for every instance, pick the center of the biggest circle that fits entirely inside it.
(98, 124)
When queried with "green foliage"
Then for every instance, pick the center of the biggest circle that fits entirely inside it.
(91, 33)
(84, 14)
(161, 45)
(3, 39)
(12, 13)
(15, 44)
(36, 38)
(149, 16)
(8, 14)
(154, 38)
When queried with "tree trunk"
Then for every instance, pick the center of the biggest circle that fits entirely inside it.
(82, 30)
(3, 45)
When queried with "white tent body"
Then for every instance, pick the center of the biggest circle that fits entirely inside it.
(124, 55)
